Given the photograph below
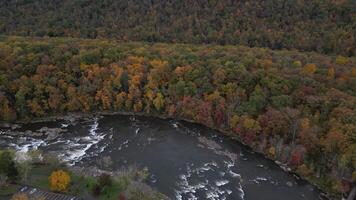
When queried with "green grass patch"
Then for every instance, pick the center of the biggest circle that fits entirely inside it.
(39, 177)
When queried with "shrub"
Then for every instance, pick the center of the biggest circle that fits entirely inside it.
(96, 190)
(105, 180)
(7, 165)
(59, 181)
(140, 191)
(143, 174)
(297, 64)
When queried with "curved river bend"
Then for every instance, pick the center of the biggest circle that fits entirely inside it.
(185, 161)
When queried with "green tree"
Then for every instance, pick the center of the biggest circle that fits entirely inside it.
(7, 165)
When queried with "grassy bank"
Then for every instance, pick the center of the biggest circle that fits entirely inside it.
(128, 183)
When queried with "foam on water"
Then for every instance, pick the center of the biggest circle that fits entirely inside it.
(137, 131)
(25, 144)
(242, 192)
(123, 145)
(235, 175)
(259, 180)
(221, 182)
(195, 181)
(64, 125)
(174, 124)
(78, 147)
(72, 150)
(229, 164)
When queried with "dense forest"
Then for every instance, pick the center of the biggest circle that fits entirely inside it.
(325, 26)
(277, 75)
(297, 108)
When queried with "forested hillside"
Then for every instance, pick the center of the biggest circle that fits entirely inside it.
(298, 108)
(277, 75)
(326, 26)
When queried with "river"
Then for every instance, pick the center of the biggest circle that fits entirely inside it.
(185, 160)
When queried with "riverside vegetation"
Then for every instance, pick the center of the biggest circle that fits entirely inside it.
(46, 172)
(296, 108)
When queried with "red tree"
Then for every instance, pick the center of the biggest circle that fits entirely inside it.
(296, 158)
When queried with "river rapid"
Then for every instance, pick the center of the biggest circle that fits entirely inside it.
(185, 160)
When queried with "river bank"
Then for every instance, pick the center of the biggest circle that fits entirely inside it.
(74, 117)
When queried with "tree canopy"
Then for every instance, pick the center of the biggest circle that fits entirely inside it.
(282, 103)
(326, 26)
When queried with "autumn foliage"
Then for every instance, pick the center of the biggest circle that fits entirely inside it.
(295, 107)
(324, 26)
(59, 181)
(309, 69)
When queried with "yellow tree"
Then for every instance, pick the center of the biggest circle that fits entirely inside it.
(341, 60)
(116, 77)
(181, 71)
(105, 98)
(148, 98)
(120, 100)
(159, 101)
(331, 73)
(128, 101)
(59, 181)
(234, 121)
(309, 69)
(297, 64)
(159, 74)
(72, 98)
(85, 101)
(219, 76)
(251, 125)
(138, 106)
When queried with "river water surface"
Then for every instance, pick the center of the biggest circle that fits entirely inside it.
(185, 160)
